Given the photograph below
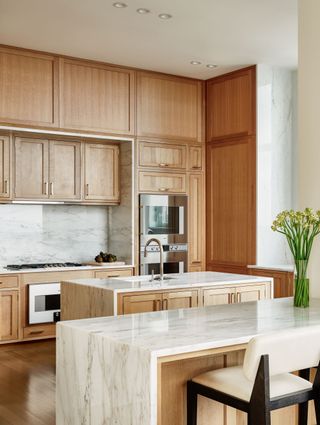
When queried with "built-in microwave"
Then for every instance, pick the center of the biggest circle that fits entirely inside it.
(44, 302)
(163, 217)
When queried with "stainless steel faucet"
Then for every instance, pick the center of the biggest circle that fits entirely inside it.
(161, 253)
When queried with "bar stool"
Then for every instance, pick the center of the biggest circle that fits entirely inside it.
(264, 382)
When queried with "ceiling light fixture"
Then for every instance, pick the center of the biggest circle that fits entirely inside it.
(143, 11)
(210, 65)
(195, 63)
(119, 5)
(165, 16)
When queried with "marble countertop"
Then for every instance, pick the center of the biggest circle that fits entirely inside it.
(180, 331)
(3, 270)
(280, 267)
(184, 280)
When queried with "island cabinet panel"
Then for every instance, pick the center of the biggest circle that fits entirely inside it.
(8, 315)
(196, 220)
(157, 182)
(169, 107)
(65, 170)
(101, 173)
(140, 303)
(217, 296)
(231, 105)
(28, 88)
(31, 168)
(179, 299)
(96, 97)
(231, 205)
(195, 158)
(251, 293)
(4, 167)
(162, 155)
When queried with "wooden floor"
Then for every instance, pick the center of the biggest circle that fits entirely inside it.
(27, 383)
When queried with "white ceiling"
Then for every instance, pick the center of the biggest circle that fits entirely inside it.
(230, 33)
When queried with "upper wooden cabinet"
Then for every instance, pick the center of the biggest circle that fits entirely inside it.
(161, 155)
(28, 88)
(156, 182)
(195, 158)
(231, 105)
(196, 220)
(169, 107)
(101, 178)
(96, 97)
(4, 167)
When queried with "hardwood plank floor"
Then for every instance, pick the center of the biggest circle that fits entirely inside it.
(27, 383)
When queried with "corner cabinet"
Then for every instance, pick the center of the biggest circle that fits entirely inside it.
(5, 187)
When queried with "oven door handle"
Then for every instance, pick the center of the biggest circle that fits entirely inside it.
(142, 220)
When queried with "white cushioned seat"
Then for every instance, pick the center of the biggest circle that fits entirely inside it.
(232, 381)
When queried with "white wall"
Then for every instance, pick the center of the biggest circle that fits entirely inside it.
(309, 121)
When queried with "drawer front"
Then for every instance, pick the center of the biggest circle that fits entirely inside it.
(113, 273)
(9, 282)
(162, 156)
(162, 182)
(39, 331)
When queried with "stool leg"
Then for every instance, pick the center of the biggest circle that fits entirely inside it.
(317, 409)
(192, 404)
(303, 413)
(262, 418)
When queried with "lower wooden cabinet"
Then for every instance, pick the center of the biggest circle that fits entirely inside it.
(239, 294)
(179, 299)
(217, 296)
(283, 280)
(9, 306)
(141, 303)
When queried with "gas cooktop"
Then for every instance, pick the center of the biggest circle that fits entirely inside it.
(41, 266)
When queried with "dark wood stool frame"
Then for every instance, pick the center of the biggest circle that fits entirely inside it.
(260, 405)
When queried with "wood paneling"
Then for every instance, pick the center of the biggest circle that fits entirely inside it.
(10, 281)
(28, 88)
(101, 174)
(179, 299)
(169, 107)
(196, 220)
(9, 315)
(231, 204)
(195, 159)
(283, 281)
(157, 182)
(162, 155)
(64, 170)
(31, 168)
(5, 186)
(231, 105)
(96, 97)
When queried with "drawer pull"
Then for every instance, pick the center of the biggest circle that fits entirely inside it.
(163, 189)
(51, 188)
(6, 187)
(45, 184)
(114, 275)
(163, 164)
(36, 332)
(195, 167)
(196, 262)
(87, 189)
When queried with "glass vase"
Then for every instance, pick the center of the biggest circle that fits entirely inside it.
(301, 293)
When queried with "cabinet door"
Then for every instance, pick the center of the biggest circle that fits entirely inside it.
(196, 219)
(28, 89)
(169, 107)
(31, 168)
(162, 182)
(195, 158)
(96, 97)
(4, 167)
(251, 293)
(162, 155)
(101, 173)
(217, 296)
(141, 303)
(8, 315)
(179, 299)
(64, 170)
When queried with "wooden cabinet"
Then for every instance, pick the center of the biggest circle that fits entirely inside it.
(141, 303)
(251, 293)
(231, 105)
(65, 170)
(169, 107)
(179, 299)
(102, 274)
(196, 220)
(8, 315)
(96, 97)
(161, 155)
(283, 281)
(101, 174)
(217, 296)
(195, 158)
(29, 88)
(10, 281)
(31, 168)
(157, 182)
(4, 167)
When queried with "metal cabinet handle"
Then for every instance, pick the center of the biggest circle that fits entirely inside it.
(87, 189)
(165, 304)
(163, 164)
(45, 184)
(51, 188)
(6, 187)
(238, 297)
(114, 275)
(196, 167)
(36, 332)
(196, 262)
(163, 189)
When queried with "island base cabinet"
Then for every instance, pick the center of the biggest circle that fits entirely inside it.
(8, 315)
(181, 299)
(143, 303)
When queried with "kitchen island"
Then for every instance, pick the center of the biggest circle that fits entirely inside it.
(132, 370)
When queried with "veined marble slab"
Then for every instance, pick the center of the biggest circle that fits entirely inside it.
(3, 270)
(282, 268)
(107, 367)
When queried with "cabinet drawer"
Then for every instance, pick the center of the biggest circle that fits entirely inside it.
(9, 282)
(113, 273)
(162, 182)
(162, 155)
(39, 331)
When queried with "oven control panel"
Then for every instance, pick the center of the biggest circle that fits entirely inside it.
(167, 248)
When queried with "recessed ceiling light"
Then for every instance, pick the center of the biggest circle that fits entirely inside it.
(210, 65)
(195, 63)
(164, 16)
(143, 11)
(119, 5)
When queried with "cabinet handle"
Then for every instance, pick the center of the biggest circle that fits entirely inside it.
(196, 262)
(45, 184)
(87, 189)
(114, 275)
(36, 332)
(233, 298)
(196, 167)
(238, 297)
(6, 187)
(51, 188)
(163, 189)
(165, 304)
(163, 164)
